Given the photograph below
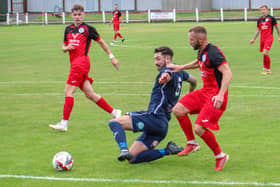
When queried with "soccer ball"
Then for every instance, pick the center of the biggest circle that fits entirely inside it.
(62, 161)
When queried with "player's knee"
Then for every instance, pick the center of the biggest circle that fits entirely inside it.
(198, 130)
(265, 52)
(177, 112)
(68, 93)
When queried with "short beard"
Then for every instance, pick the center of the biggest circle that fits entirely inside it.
(197, 46)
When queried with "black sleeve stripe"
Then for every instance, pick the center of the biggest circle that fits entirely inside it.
(65, 34)
(216, 56)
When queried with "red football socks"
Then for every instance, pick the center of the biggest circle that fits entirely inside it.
(115, 37)
(266, 61)
(210, 140)
(104, 105)
(119, 34)
(186, 126)
(68, 105)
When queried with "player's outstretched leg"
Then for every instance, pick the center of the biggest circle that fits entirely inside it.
(154, 154)
(120, 138)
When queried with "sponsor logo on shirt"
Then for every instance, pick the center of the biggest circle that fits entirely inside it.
(264, 26)
(75, 35)
(204, 57)
(74, 42)
(81, 30)
(140, 125)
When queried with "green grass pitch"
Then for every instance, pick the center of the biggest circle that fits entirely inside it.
(33, 71)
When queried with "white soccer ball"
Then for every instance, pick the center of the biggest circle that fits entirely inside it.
(62, 161)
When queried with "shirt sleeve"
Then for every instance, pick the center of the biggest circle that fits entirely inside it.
(185, 76)
(120, 14)
(93, 34)
(274, 22)
(216, 57)
(65, 36)
(258, 23)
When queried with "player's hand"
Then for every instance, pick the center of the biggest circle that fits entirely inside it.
(176, 68)
(252, 41)
(279, 39)
(115, 63)
(165, 77)
(218, 100)
(70, 47)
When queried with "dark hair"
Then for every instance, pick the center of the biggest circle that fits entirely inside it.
(165, 51)
(198, 30)
(264, 6)
(78, 7)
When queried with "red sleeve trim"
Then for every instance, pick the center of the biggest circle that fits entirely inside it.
(65, 42)
(224, 62)
(276, 24)
(99, 38)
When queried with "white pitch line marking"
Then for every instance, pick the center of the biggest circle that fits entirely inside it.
(140, 181)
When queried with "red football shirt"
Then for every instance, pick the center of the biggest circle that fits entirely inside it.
(209, 60)
(116, 16)
(80, 37)
(266, 24)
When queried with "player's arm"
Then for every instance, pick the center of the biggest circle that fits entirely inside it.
(278, 31)
(192, 81)
(177, 68)
(255, 36)
(66, 48)
(227, 76)
(105, 47)
(121, 20)
(164, 78)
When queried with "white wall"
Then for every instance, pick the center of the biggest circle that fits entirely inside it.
(48, 6)
(240, 4)
(90, 5)
(57, 5)
(230, 4)
(269, 3)
(108, 5)
(149, 4)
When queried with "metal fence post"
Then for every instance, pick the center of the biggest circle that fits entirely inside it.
(46, 18)
(126, 16)
(26, 18)
(222, 15)
(103, 17)
(63, 17)
(8, 19)
(197, 15)
(17, 18)
(149, 16)
(245, 15)
(174, 15)
(271, 11)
